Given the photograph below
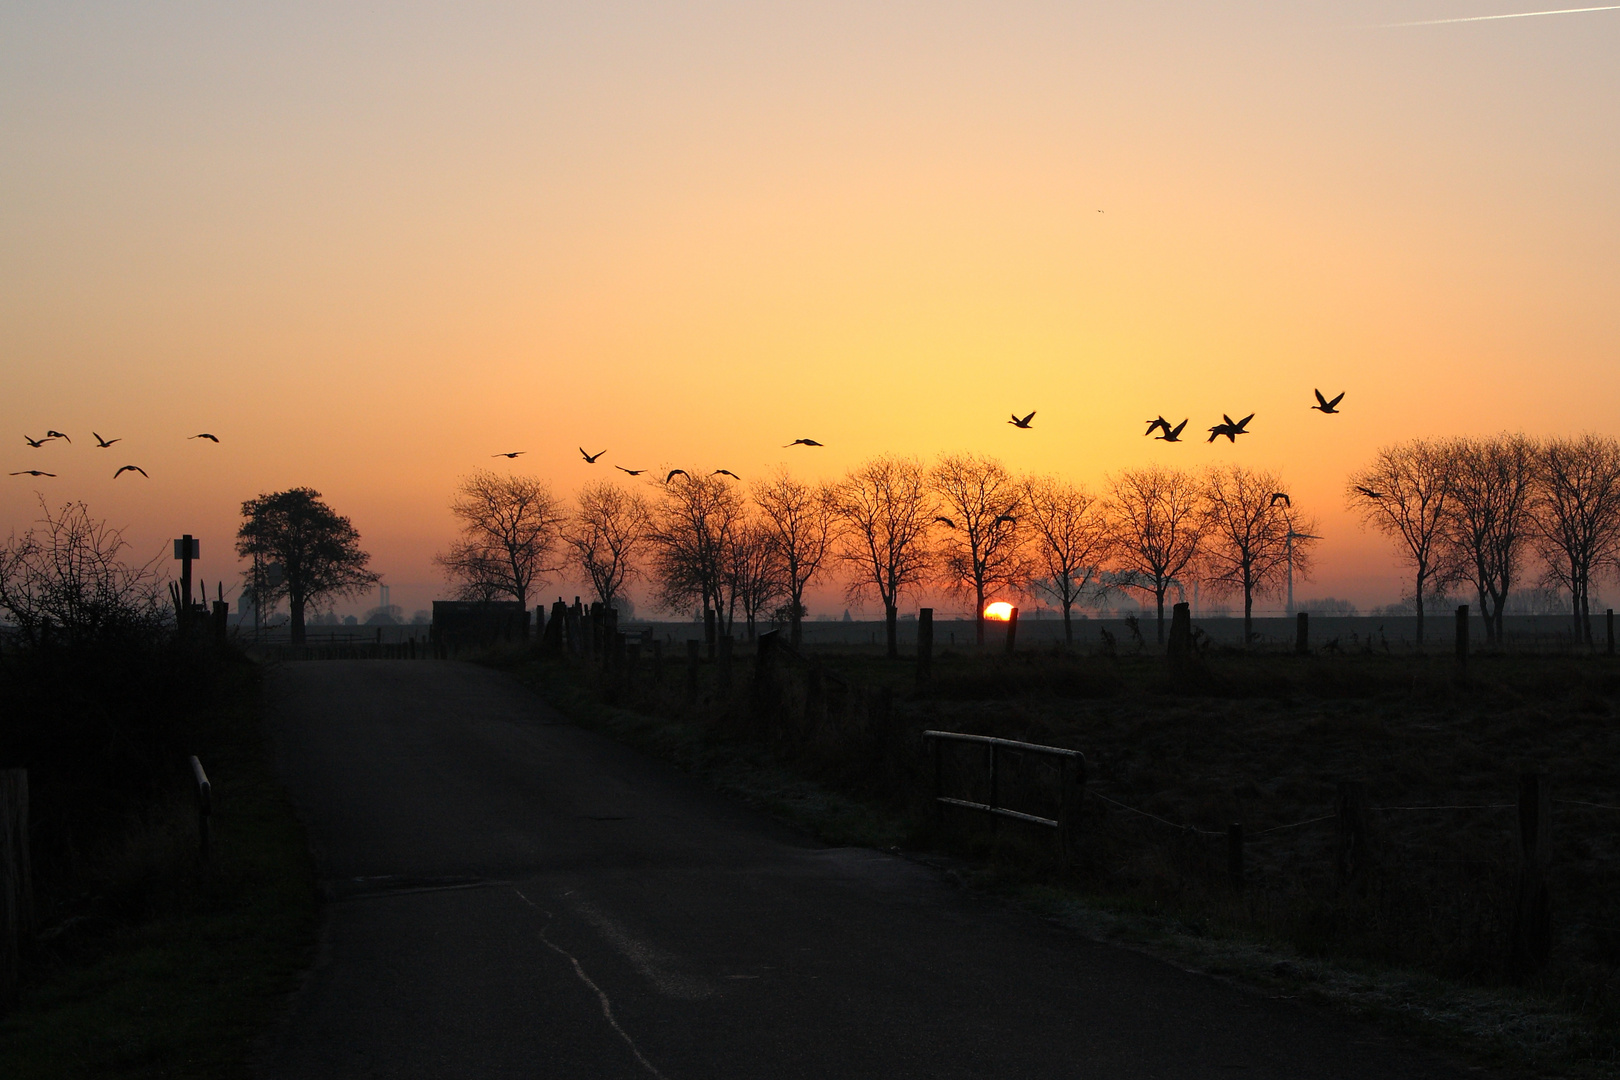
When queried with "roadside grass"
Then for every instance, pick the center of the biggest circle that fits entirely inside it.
(1256, 738)
(153, 964)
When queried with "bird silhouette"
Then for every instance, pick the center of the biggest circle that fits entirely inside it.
(673, 473)
(1024, 423)
(947, 522)
(57, 435)
(802, 442)
(725, 472)
(1238, 425)
(1369, 492)
(36, 443)
(633, 472)
(1008, 518)
(32, 472)
(1282, 497)
(104, 443)
(204, 435)
(130, 468)
(510, 454)
(590, 459)
(1172, 434)
(1222, 429)
(1326, 406)
(1161, 422)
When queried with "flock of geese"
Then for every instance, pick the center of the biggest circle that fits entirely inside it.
(1229, 427)
(101, 444)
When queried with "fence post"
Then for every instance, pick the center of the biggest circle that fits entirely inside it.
(1532, 922)
(1608, 621)
(16, 881)
(1302, 633)
(205, 805)
(710, 631)
(1234, 854)
(925, 644)
(1351, 852)
(1012, 630)
(1462, 634)
(1073, 786)
(693, 649)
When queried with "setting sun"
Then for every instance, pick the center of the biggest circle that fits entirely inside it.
(1000, 611)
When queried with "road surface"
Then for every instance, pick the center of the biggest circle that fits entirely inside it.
(512, 896)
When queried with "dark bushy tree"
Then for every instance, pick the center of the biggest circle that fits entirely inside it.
(317, 548)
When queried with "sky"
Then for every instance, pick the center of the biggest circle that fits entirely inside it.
(369, 246)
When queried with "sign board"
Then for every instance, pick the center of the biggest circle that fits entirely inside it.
(180, 548)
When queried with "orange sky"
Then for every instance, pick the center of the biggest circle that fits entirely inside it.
(369, 250)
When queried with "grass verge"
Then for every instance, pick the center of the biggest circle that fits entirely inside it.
(152, 964)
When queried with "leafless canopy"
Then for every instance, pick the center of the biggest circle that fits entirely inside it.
(1406, 495)
(1577, 516)
(694, 526)
(799, 520)
(885, 507)
(1068, 541)
(1247, 545)
(1157, 518)
(1493, 488)
(983, 548)
(510, 529)
(756, 575)
(606, 534)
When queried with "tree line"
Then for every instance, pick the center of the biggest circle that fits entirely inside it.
(885, 531)
(1483, 512)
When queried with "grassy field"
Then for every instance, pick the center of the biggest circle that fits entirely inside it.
(1261, 739)
(153, 964)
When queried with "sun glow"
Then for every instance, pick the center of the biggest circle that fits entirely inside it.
(1000, 611)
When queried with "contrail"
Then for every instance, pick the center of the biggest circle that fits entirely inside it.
(1491, 18)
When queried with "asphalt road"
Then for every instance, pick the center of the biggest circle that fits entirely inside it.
(513, 896)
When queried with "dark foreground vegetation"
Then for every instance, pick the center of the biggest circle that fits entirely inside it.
(1420, 933)
(146, 959)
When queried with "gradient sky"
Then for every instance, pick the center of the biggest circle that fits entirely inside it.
(371, 245)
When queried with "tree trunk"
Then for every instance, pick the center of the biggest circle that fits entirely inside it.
(1158, 596)
(891, 621)
(978, 617)
(1485, 611)
(1068, 624)
(1419, 599)
(297, 626)
(1248, 616)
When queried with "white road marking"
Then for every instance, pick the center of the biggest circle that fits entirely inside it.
(1493, 18)
(652, 963)
(607, 1006)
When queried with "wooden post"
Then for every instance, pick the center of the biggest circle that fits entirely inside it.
(694, 649)
(1012, 630)
(1532, 922)
(16, 882)
(1302, 633)
(1462, 634)
(1234, 854)
(710, 631)
(925, 644)
(1178, 650)
(1351, 851)
(205, 806)
(1073, 787)
(725, 663)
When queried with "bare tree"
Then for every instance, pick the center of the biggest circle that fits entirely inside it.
(607, 532)
(511, 527)
(693, 528)
(1157, 517)
(1069, 538)
(318, 549)
(982, 546)
(886, 508)
(65, 578)
(800, 521)
(755, 573)
(1493, 487)
(1247, 530)
(1406, 494)
(1577, 516)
